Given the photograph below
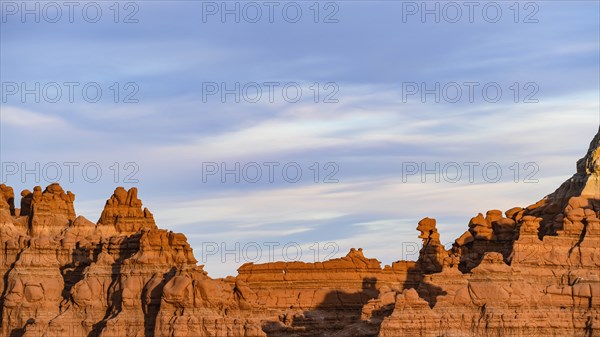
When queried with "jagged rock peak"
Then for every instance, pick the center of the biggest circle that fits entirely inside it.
(123, 210)
(590, 163)
(7, 198)
(49, 211)
(428, 229)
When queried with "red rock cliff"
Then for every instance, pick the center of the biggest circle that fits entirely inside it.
(528, 271)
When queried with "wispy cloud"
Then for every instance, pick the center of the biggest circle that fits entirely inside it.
(25, 119)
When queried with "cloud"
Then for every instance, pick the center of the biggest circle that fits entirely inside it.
(377, 215)
(25, 119)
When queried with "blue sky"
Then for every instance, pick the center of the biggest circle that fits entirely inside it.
(365, 57)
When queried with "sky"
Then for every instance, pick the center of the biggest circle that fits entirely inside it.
(297, 130)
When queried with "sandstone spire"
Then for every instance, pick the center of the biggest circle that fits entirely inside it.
(589, 167)
(124, 211)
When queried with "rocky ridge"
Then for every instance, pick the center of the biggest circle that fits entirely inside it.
(528, 271)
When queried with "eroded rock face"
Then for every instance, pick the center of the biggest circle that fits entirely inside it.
(67, 276)
(530, 271)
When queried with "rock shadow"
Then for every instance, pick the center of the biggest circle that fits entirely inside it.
(427, 291)
(339, 314)
(151, 302)
(72, 273)
(127, 248)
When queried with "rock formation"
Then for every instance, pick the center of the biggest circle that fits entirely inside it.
(529, 271)
(123, 212)
(535, 272)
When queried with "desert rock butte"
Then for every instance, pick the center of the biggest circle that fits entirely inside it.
(528, 271)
